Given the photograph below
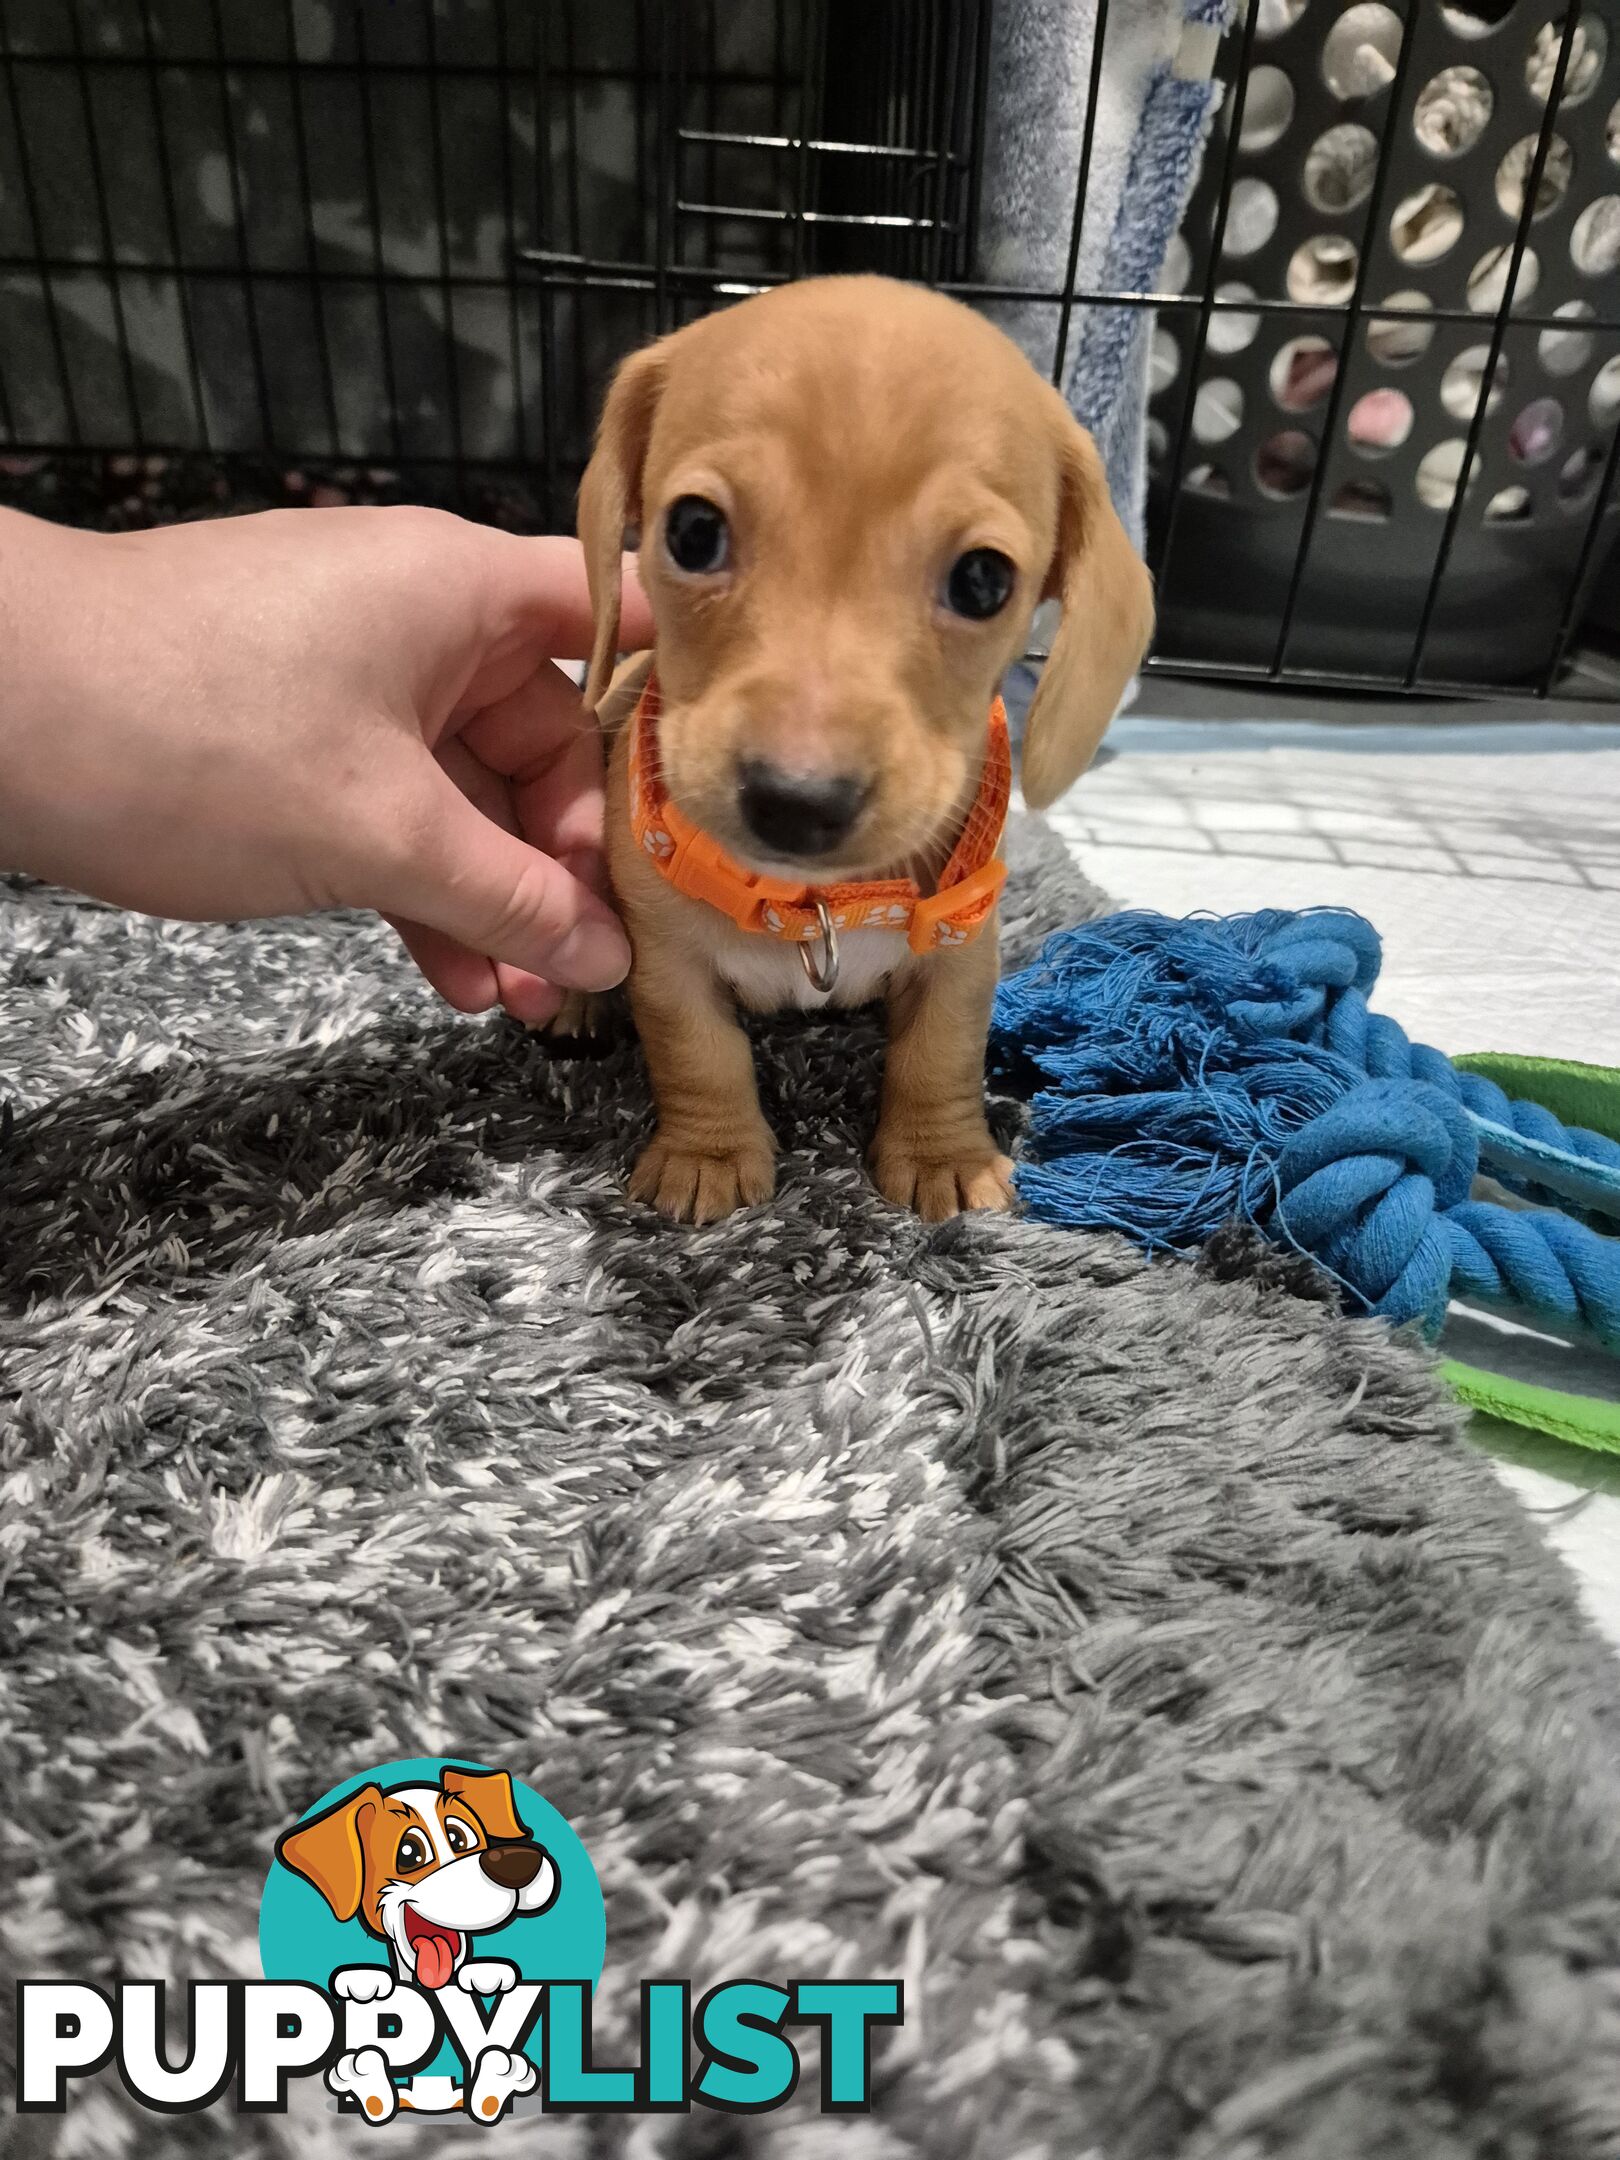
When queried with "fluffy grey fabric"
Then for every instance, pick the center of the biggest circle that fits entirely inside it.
(1132, 1658)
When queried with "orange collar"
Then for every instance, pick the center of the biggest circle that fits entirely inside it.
(694, 864)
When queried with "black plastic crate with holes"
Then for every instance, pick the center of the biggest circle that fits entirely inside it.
(1419, 201)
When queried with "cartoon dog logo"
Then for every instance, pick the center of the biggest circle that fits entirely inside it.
(426, 1869)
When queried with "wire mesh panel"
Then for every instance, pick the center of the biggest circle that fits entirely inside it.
(773, 143)
(240, 247)
(322, 247)
(323, 250)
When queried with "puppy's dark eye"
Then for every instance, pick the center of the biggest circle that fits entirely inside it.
(980, 584)
(457, 1835)
(696, 535)
(413, 1852)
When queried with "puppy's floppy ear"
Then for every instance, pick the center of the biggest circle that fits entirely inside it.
(1107, 599)
(610, 499)
(489, 1794)
(327, 1850)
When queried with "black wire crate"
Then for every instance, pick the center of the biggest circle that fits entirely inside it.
(325, 250)
(386, 249)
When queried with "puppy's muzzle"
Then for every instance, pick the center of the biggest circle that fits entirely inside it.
(793, 813)
(514, 1867)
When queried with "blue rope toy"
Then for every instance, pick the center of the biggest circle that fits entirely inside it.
(1186, 1073)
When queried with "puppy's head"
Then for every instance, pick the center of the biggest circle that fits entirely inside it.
(851, 496)
(425, 1867)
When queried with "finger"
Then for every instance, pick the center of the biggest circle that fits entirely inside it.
(466, 979)
(485, 790)
(538, 607)
(473, 984)
(529, 998)
(459, 873)
(564, 810)
(549, 749)
(520, 732)
(463, 978)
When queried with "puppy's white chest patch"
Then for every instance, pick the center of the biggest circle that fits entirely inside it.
(768, 975)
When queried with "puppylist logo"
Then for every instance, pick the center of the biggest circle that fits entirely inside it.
(431, 1933)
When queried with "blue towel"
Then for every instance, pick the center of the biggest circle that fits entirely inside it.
(1138, 194)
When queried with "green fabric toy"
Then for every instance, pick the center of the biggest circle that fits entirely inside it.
(1580, 1095)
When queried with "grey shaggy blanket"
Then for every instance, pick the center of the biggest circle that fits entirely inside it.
(1134, 1659)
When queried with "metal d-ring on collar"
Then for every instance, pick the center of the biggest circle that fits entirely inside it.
(822, 969)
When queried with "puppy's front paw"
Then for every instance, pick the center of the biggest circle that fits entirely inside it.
(943, 1180)
(700, 1185)
(591, 1017)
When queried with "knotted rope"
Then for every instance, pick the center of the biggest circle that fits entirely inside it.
(1200, 1070)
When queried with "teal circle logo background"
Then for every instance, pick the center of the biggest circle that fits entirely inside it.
(301, 1938)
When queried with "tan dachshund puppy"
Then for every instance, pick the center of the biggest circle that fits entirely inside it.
(851, 495)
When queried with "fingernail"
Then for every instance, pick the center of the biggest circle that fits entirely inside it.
(594, 955)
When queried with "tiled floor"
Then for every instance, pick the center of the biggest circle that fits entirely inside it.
(1487, 853)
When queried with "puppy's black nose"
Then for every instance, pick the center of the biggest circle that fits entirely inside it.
(798, 813)
(512, 1866)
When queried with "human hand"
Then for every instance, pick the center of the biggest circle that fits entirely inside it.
(317, 708)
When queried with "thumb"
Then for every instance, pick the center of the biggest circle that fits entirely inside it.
(491, 891)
